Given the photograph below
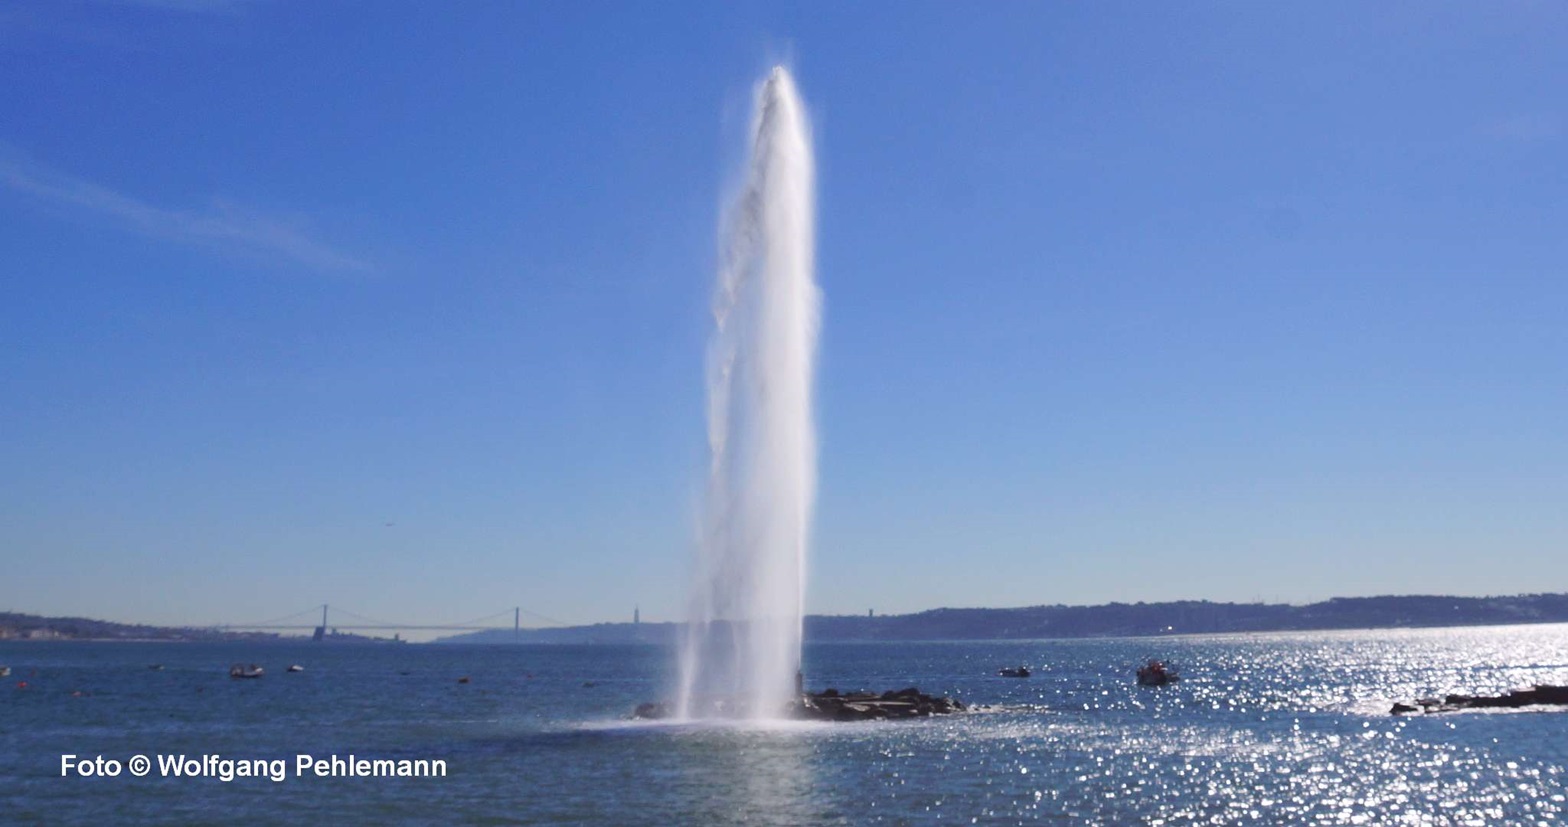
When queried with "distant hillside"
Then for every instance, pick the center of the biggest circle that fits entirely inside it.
(1110, 620)
(1192, 617)
(14, 626)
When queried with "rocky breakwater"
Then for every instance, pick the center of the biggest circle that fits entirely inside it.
(832, 705)
(1538, 696)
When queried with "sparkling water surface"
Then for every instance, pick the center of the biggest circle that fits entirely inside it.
(1264, 729)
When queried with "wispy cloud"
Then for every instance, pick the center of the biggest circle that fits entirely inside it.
(223, 225)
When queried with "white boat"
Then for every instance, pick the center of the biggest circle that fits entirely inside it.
(242, 670)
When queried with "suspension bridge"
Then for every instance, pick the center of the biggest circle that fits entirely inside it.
(304, 620)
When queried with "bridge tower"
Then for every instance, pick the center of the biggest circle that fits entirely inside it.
(321, 631)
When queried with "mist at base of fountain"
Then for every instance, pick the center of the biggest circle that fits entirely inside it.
(741, 652)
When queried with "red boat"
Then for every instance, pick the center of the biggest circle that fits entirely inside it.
(1156, 673)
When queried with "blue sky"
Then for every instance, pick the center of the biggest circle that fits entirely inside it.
(402, 307)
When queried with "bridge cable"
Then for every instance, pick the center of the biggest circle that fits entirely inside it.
(277, 620)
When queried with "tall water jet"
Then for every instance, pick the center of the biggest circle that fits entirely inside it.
(744, 628)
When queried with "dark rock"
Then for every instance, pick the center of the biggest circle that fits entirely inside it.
(653, 711)
(865, 706)
(830, 705)
(1552, 694)
(1515, 699)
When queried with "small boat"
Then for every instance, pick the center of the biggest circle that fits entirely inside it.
(294, 667)
(5, 671)
(1156, 673)
(1020, 672)
(156, 667)
(241, 670)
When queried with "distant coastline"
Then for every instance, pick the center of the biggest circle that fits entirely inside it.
(24, 628)
(1023, 623)
(1106, 620)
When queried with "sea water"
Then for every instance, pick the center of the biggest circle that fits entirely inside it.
(1264, 729)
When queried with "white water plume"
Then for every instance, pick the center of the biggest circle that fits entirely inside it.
(742, 647)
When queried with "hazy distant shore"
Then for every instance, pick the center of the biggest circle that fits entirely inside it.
(16, 627)
(1106, 620)
(1024, 623)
